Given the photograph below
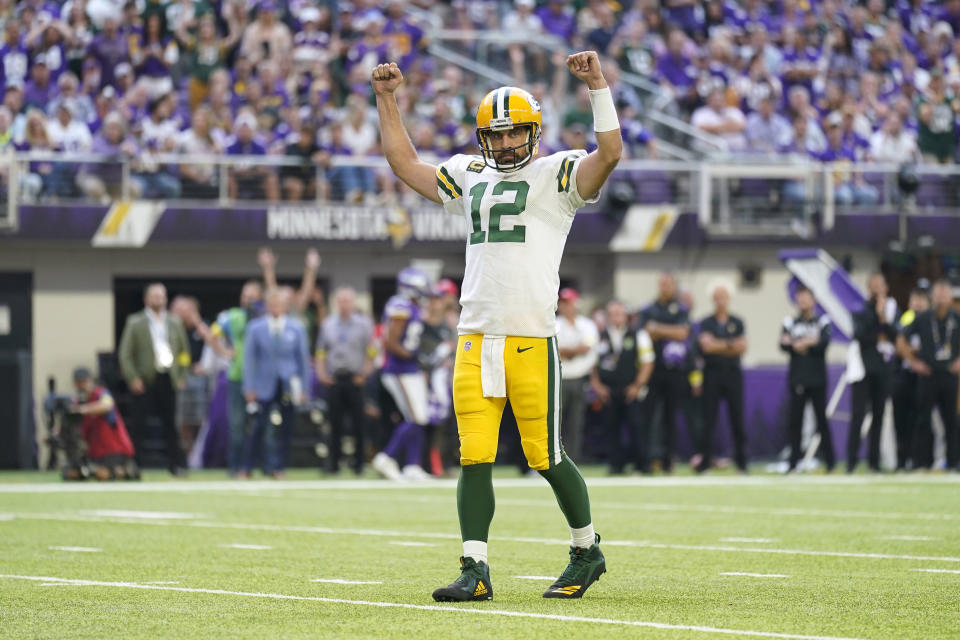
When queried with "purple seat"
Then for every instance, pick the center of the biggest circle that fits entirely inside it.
(934, 191)
(652, 187)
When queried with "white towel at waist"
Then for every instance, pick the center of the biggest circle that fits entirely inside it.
(493, 373)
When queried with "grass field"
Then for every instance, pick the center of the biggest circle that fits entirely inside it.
(758, 556)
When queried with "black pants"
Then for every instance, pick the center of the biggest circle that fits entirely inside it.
(723, 384)
(873, 389)
(799, 395)
(345, 400)
(158, 399)
(937, 390)
(625, 436)
(668, 388)
(904, 415)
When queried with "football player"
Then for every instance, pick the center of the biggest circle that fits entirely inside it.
(403, 378)
(519, 210)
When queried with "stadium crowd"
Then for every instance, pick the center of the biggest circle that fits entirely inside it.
(233, 392)
(832, 80)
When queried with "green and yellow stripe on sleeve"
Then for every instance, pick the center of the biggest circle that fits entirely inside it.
(447, 184)
(563, 175)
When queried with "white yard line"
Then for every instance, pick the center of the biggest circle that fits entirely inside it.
(148, 515)
(437, 608)
(771, 481)
(77, 549)
(437, 535)
(912, 538)
(749, 540)
(342, 581)
(250, 547)
(754, 575)
(938, 570)
(408, 543)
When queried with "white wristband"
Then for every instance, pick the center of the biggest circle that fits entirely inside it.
(604, 111)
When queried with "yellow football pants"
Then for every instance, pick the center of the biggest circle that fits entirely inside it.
(533, 388)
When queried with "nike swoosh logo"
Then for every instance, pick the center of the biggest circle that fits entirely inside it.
(519, 350)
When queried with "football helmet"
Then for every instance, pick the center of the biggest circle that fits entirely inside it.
(412, 283)
(504, 109)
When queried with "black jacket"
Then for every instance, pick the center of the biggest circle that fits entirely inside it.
(808, 369)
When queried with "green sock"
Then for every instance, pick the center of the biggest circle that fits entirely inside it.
(571, 492)
(475, 502)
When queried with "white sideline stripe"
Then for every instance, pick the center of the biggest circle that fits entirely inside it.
(148, 515)
(535, 577)
(427, 607)
(754, 540)
(754, 575)
(342, 581)
(409, 543)
(912, 538)
(162, 582)
(194, 486)
(938, 570)
(251, 547)
(639, 544)
(6, 517)
(77, 549)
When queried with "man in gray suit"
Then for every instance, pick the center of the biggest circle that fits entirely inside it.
(154, 358)
(276, 378)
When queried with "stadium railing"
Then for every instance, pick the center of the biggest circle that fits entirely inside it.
(736, 195)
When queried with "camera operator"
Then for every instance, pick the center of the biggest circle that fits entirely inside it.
(109, 448)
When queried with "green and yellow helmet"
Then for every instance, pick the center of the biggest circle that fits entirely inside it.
(504, 109)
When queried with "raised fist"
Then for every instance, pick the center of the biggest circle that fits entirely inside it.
(386, 78)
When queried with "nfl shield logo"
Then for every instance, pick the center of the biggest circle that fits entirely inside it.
(467, 345)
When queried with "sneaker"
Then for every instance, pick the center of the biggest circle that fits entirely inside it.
(386, 466)
(415, 472)
(585, 567)
(472, 585)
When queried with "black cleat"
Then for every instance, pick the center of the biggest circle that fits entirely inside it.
(472, 585)
(585, 568)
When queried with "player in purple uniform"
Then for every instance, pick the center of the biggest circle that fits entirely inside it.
(404, 379)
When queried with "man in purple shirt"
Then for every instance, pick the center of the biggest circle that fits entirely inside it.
(849, 187)
(13, 55)
(248, 181)
(676, 72)
(110, 48)
(39, 91)
(406, 38)
(558, 19)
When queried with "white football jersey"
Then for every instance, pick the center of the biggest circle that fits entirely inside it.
(519, 223)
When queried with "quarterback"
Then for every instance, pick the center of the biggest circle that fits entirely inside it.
(519, 209)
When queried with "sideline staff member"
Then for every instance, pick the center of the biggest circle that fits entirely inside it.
(805, 337)
(722, 342)
(937, 363)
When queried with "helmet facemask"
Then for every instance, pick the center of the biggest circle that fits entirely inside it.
(490, 154)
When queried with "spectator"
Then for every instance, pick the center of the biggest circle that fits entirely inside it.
(718, 119)
(14, 57)
(40, 89)
(635, 47)
(248, 181)
(581, 112)
(805, 337)
(205, 53)
(312, 44)
(344, 362)
(155, 55)
(199, 180)
(849, 186)
(193, 400)
(893, 143)
(102, 180)
(360, 136)
(577, 340)
(39, 178)
(154, 180)
(110, 48)
(758, 83)
(109, 447)
(600, 37)
(799, 105)
(557, 19)
(229, 339)
(276, 372)
(766, 128)
(937, 110)
(266, 38)
(838, 61)
(68, 91)
(154, 358)
(675, 71)
(71, 136)
(300, 182)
